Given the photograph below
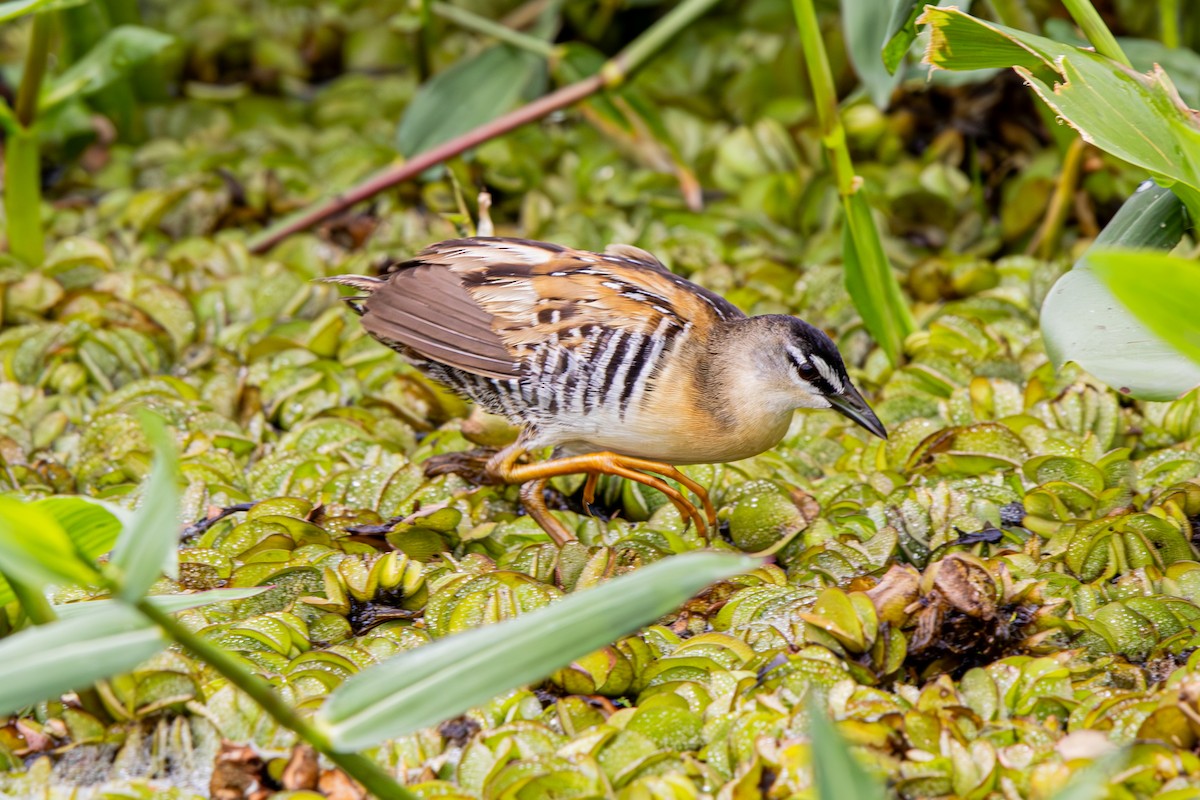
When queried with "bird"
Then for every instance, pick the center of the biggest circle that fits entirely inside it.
(621, 366)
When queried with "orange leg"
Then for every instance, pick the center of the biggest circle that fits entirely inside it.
(504, 467)
(533, 497)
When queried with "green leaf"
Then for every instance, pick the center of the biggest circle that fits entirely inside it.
(472, 92)
(92, 525)
(836, 773)
(1082, 321)
(170, 603)
(19, 8)
(113, 57)
(1092, 782)
(1182, 64)
(870, 281)
(866, 31)
(1161, 290)
(421, 687)
(901, 31)
(35, 550)
(147, 546)
(43, 662)
(1136, 117)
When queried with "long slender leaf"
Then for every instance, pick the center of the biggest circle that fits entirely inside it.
(146, 548)
(170, 603)
(35, 550)
(870, 280)
(19, 8)
(424, 686)
(43, 662)
(1082, 321)
(113, 57)
(837, 775)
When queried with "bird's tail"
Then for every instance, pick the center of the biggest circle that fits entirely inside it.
(363, 283)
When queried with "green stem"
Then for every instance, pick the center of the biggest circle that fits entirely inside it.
(641, 50)
(35, 70)
(22, 155)
(33, 602)
(23, 196)
(1168, 13)
(372, 776)
(869, 276)
(614, 72)
(474, 22)
(833, 135)
(1093, 27)
(1045, 241)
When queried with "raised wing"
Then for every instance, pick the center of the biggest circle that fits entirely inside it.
(491, 305)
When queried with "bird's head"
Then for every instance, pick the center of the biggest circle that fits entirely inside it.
(798, 364)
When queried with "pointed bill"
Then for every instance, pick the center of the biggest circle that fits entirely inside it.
(851, 404)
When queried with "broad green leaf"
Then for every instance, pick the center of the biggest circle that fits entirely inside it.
(1161, 290)
(1182, 64)
(113, 57)
(421, 687)
(19, 8)
(35, 550)
(474, 91)
(871, 282)
(836, 774)
(1083, 322)
(147, 546)
(171, 603)
(866, 31)
(1136, 117)
(43, 662)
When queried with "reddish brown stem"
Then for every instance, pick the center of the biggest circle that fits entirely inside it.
(387, 178)
(615, 71)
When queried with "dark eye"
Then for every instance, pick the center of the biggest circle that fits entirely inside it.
(807, 371)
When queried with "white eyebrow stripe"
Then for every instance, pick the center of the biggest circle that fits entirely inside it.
(796, 353)
(827, 373)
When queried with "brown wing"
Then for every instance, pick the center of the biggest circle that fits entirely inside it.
(485, 305)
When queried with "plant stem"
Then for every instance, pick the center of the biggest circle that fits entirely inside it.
(35, 70)
(1168, 14)
(614, 72)
(33, 602)
(474, 22)
(869, 277)
(373, 777)
(23, 197)
(22, 155)
(1046, 239)
(1093, 27)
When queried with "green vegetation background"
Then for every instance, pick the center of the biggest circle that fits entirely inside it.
(1004, 591)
